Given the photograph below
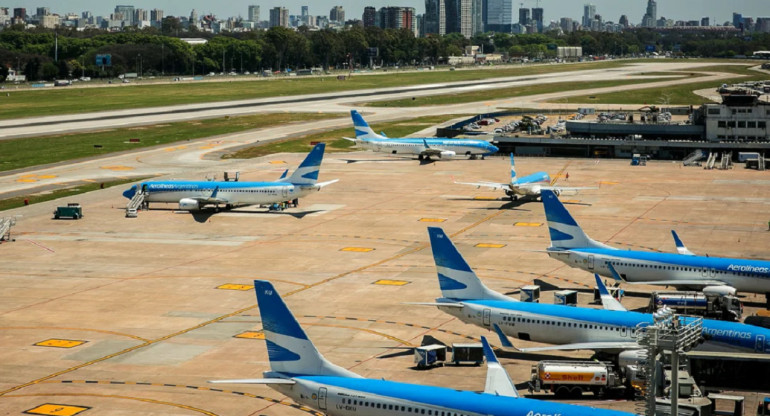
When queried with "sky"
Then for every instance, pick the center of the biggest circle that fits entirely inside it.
(718, 10)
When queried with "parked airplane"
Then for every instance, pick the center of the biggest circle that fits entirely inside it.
(569, 327)
(424, 148)
(299, 371)
(195, 195)
(526, 186)
(572, 246)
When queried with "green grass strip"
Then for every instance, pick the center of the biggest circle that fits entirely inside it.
(26, 152)
(18, 201)
(334, 140)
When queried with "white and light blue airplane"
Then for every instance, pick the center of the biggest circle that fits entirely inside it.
(299, 371)
(567, 327)
(526, 186)
(195, 195)
(424, 148)
(572, 246)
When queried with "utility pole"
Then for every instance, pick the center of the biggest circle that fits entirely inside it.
(56, 47)
(163, 59)
(223, 61)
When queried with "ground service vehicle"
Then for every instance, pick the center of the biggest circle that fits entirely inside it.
(572, 378)
(72, 210)
(722, 306)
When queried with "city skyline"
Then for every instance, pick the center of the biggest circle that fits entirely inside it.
(719, 11)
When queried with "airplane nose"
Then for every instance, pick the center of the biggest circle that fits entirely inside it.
(493, 148)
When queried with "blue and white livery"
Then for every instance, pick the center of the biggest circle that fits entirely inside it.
(526, 186)
(424, 148)
(195, 195)
(568, 327)
(299, 371)
(684, 269)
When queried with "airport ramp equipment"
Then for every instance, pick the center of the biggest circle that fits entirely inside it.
(135, 204)
(694, 158)
(726, 162)
(711, 161)
(5, 228)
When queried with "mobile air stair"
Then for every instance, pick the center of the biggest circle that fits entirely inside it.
(135, 204)
(694, 158)
(711, 161)
(5, 228)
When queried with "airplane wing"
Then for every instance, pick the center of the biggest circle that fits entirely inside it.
(449, 305)
(609, 302)
(566, 189)
(607, 345)
(492, 185)
(255, 381)
(691, 282)
(498, 381)
(212, 199)
(350, 139)
(680, 247)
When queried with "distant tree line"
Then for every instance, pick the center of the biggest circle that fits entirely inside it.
(161, 51)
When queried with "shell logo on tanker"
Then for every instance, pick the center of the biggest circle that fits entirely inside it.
(560, 376)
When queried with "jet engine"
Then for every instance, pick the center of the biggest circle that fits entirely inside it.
(447, 154)
(719, 290)
(189, 204)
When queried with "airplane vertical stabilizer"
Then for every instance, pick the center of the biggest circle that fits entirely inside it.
(455, 277)
(564, 230)
(289, 349)
(513, 170)
(498, 381)
(307, 172)
(363, 131)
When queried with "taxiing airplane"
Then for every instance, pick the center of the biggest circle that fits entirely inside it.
(568, 327)
(424, 148)
(570, 245)
(299, 371)
(526, 186)
(195, 195)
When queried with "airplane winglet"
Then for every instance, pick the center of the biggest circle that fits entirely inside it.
(498, 381)
(680, 247)
(425, 142)
(504, 341)
(615, 274)
(608, 301)
(214, 194)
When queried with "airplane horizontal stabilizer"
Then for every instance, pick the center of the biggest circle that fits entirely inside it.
(493, 185)
(255, 381)
(322, 184)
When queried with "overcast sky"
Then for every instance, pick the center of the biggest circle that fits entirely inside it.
(718, 10)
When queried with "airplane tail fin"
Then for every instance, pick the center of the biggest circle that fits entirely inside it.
(289, 349)
(307, 172)
(455, 277)
(513, 170)
(564, 230)
(363, 131)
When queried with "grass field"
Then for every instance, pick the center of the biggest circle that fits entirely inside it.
(501, 93)
(333, 138)
(17, 202)
(55, 101)
(676, 94)
(21, 153)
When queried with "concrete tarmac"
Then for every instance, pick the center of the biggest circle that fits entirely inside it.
(132, 316)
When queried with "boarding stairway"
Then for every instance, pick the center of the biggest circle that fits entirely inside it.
(135, 204)
(726, 162)
(694, 158)
(711, 161)
(5, 228)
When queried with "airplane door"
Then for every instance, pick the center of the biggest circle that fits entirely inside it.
(487, 317)
(591, 262)
(285, 191)
(623, 332)
(322, 398)
(712, 272)
(760, 345)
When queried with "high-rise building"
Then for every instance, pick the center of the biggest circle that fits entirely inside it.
(466, 18)
(194, 21)
(565, 23)
(499, 16)
(524, 16)
(279, 16)
(589, 11)
(337, 14)
(623, 21)
(43, 11)
(156, 17)
(705, 21)
(396, 17)
(537, 18)
(430, 20)
(141, 15)
(651, 15)
(738, 20)
(254, 13)
(127, 12)
(477, 11)
(369, 16)
(452, 16)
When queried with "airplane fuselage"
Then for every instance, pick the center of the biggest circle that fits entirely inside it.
(558, 325)
(529, 185)
(751, 276)
(236, 193)
(461, 147)
(340, 396)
